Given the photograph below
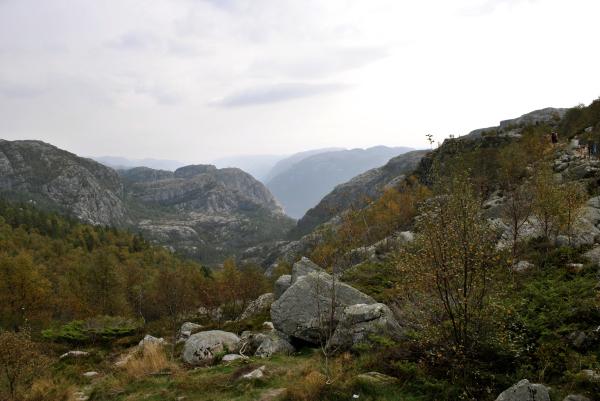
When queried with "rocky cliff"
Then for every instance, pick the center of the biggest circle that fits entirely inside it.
(53, 178)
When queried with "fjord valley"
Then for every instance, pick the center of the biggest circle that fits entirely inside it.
(468, 271)
(299, 200)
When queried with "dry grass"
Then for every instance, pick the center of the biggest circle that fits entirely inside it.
(150, 359)
(308, 388)
(50, 390)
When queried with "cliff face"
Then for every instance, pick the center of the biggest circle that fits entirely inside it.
(54, 178)
(358, 190)
(204, 212)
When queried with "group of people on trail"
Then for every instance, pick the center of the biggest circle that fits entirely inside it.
(586, 146)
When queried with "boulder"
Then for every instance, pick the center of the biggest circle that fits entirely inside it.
(359, 322)
(593, 255)
(265, 345)
(522, 266)
(304, 311)
(274, 343)
(187, 329)
(257, 306)
(148, 339)
(303, 267)
(525, 391)
(281, 284)
(201, 347)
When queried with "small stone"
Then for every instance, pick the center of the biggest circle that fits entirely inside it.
(255, 374)
(231, 357)
(91, 374)
(576, 397)
(268, 326)
(376, 378)
(74, 354)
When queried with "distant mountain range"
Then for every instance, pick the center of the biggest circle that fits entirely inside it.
(300, 181)
(198, 210)
(123, 163)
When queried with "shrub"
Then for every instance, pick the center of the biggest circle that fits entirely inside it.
(150, 359)
(98, 329)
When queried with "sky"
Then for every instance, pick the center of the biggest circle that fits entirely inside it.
(196, 80)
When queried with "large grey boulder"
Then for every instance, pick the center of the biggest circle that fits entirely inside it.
(281, 284)
(525, 391)
(313, 305)
(359, 322)
(201, 347)
(257, 306)
(303, 267)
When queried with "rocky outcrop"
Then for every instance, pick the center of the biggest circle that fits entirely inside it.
(359, 322)
(55, 179)
(358, 190)
(202, 347)
(525, 391)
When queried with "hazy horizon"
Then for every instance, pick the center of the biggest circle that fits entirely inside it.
(199, 80)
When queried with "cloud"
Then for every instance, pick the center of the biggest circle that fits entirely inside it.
(484, 7)
(20, 91)
(277, 93)
(134, 41)
(318, 63)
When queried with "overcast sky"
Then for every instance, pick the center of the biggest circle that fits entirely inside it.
(194, 80)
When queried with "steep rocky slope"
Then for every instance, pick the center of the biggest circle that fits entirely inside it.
(56, 179)
(202, 211)
(358, 190)
(302, 185)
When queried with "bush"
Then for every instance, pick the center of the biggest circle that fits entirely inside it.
(150, 359)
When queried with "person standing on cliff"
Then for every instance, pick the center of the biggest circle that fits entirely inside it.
(554, 138)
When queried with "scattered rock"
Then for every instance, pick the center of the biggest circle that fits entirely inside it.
(257, 306)
(74, 354)
(593, 255)
(268, 326)
(522, 266)
(305, 308)
(281, 284)
(591, 375)
(376, 378)
(575, 267)
(255, 374)
(525, 391)
(358, 322)
(91, 374)
(80, 396)
(202, 347)
(231, 357)
(148, 339)
(576, 397)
